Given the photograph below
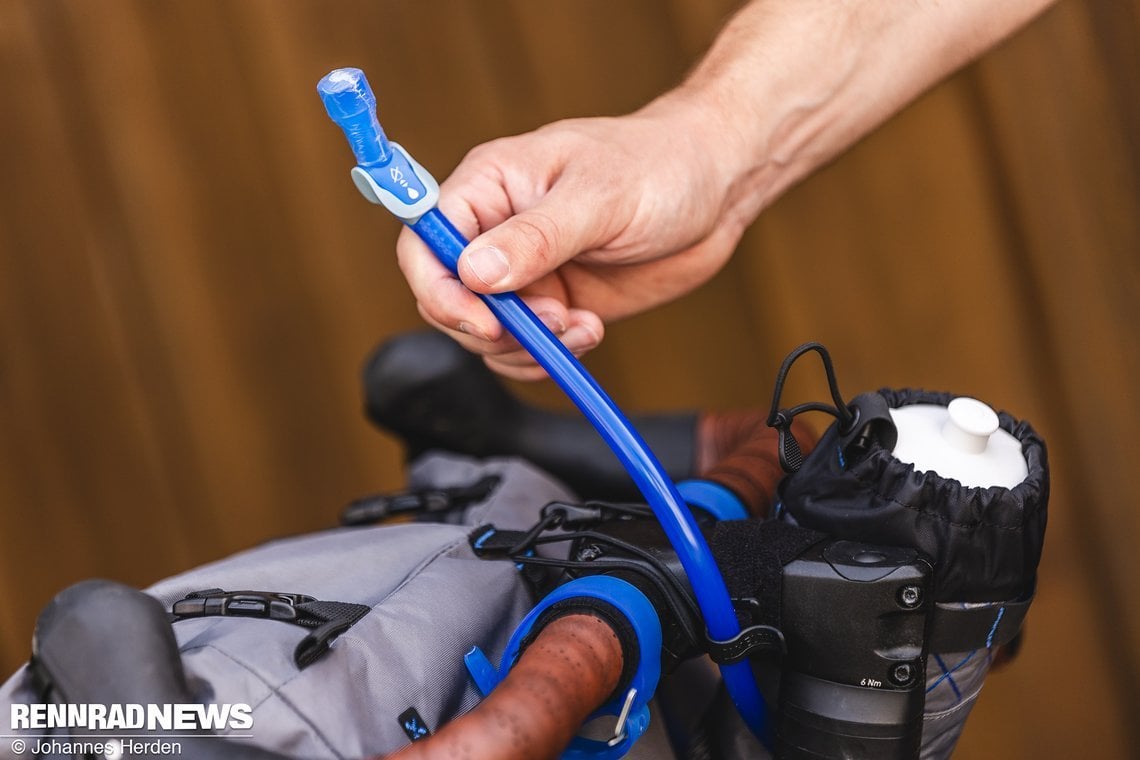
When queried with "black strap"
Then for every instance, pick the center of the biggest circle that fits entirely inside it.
(791, 456)
(750, 641)
(326, 619)
(430, 501)
(863, 421)
(958, 628)
(489, 542)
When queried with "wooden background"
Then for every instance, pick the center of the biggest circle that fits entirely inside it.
(189, 282)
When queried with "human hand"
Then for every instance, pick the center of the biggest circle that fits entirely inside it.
(596, 219)
(591, 220)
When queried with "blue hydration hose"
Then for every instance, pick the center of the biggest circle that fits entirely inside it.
(385, 174)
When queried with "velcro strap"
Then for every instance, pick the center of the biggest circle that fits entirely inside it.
(962, 628)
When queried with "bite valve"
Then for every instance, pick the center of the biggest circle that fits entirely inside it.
(352, 105)
(385, 174)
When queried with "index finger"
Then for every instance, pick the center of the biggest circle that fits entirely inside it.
(440, 294)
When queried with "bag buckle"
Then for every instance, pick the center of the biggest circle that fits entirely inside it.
(271, 605)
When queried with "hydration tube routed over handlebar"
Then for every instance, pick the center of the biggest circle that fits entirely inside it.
(385, 174)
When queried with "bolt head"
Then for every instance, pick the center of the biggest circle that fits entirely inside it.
(589, 553)
(910, 597)
(902, 674)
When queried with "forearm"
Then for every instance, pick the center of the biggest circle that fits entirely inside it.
(594, 220)
(789, 84)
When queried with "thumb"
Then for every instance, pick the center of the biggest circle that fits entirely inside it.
(533, 243)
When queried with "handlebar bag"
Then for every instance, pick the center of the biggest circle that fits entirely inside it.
(393, 674)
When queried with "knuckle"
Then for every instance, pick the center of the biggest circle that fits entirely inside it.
(539, 235)
(488, 152)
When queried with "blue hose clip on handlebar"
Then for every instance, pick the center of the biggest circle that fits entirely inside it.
(632, 707)
(387, 175)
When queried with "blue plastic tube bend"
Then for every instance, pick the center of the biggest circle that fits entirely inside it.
(635, 455)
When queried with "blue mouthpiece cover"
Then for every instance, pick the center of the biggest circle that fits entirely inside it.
(351, 105)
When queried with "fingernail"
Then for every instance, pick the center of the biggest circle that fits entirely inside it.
(580, 338)
(553, 322)
(469, 329)
(488, 264)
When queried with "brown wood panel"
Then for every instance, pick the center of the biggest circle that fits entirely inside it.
(1080, 233)
(188, 283)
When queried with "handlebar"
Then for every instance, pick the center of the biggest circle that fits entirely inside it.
(574, 663)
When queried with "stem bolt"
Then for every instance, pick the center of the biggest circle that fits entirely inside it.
(902, 674)
(910, 597)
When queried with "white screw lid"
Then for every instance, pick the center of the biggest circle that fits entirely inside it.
(961, 441)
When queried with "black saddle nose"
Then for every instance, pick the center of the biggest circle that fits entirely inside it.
(432, 394)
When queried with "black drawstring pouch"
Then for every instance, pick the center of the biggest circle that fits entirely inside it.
(985, 542)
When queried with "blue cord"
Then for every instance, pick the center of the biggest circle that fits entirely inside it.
(351, 104)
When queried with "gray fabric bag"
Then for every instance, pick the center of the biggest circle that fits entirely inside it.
(431, 601)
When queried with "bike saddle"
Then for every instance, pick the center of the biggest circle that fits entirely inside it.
(432, 394)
